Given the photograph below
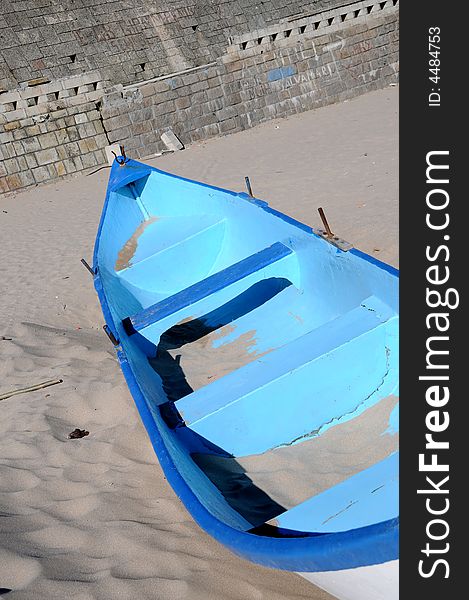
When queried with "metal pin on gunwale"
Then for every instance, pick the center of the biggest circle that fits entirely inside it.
(123, 159)
(330, 237)
(248, 186)
(325, 223)
(92, 271)
(110, 335)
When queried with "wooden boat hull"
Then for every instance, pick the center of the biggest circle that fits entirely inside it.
(263, 362)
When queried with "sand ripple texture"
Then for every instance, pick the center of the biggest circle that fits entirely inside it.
(93, 518)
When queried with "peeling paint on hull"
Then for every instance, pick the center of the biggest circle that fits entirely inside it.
(270, 400)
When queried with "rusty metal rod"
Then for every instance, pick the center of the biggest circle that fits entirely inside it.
(83, 262)
(325, 223)
(248, 185)
(111, 336)
(123, 158)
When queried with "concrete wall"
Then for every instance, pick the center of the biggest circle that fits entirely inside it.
(51, 130)
(55, 128)
(126, 40)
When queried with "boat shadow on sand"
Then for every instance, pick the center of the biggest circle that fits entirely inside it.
(229, 477)
(168, 364)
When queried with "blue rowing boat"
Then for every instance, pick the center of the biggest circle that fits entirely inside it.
(263, 360)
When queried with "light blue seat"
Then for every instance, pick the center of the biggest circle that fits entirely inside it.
(207, 287)
(300, 387)
(370, 496)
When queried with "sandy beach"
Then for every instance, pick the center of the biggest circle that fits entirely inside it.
(93, 518)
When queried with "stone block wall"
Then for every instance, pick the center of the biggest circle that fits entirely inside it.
(126, 40)
(270, 73)
(52, 128)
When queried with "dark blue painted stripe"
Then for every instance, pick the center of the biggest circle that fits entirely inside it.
(208, 286)
(118, 177)
(374, 261)
(287, 219)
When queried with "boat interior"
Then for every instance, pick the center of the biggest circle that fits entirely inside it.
(267, 356)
